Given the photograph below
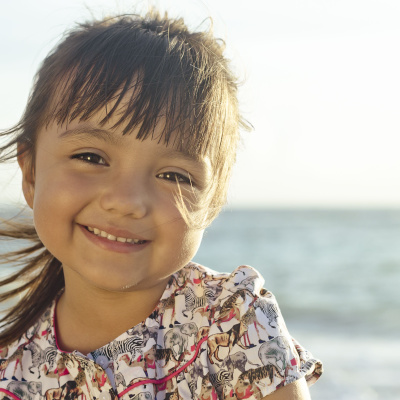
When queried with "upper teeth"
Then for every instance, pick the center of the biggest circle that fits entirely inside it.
(108, 236)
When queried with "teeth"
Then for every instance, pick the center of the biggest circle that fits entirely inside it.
(108, 236)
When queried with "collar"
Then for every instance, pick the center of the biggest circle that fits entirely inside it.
(144, 355)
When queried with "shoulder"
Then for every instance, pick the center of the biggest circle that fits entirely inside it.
(250, 351)
(242, 277)
(244, 303)
(216, 287)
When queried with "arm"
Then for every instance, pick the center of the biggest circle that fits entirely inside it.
(297, 390)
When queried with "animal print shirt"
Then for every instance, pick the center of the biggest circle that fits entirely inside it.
(212, 336)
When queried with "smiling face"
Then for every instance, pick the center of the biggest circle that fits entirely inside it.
(105, 205)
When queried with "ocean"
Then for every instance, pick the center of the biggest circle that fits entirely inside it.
(336, 275)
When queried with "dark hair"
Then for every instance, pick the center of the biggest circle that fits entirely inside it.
(176, 75)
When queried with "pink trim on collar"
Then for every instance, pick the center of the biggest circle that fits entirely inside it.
(160, 381)
(8, 393)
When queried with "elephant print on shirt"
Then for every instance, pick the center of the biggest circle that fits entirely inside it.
(25, 390)
(275, 352)
(179, 336)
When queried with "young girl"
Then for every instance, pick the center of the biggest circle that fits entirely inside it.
(126, 147)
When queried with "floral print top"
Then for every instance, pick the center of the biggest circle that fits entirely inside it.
(211, 336)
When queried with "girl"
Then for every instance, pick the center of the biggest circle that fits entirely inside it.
(126, 147)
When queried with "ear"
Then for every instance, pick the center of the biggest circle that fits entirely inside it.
(25, 161)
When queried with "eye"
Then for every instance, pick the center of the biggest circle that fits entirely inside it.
(175, 177)
(91, 158)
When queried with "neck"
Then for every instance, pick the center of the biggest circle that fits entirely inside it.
(89, 317)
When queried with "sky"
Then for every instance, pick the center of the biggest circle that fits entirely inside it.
(320, 84)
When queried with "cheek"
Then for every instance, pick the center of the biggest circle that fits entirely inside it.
(58, 187)
(181, 241)
(194, 240)
(57, 197)
(176, 232)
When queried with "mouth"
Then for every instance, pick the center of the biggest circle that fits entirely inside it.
(112, 238)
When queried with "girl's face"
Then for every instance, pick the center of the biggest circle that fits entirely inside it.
(104, 204)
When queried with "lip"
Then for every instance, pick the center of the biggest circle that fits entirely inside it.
(111, 245)
(117, 232)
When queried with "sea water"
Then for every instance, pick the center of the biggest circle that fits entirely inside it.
(336, 275)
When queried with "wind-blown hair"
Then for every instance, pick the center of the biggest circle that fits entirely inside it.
(164, 74)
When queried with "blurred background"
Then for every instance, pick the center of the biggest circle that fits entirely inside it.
(314, 203)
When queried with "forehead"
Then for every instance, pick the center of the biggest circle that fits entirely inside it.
(137, 105)
(89, 132)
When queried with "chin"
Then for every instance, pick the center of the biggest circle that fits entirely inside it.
(110, 281)
(116, 285)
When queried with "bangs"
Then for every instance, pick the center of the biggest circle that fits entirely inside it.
(141, 77)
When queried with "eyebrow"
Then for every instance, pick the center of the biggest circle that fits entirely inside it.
(89, 131)
(110, 137)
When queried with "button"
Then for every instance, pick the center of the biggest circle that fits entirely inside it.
(102, 361)
(104, 396)
(79, 354)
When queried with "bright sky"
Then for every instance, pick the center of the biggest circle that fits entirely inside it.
(322, 89)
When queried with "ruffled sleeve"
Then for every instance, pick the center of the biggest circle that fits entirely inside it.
(250, 351)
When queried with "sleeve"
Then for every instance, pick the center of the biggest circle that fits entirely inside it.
(250, 351)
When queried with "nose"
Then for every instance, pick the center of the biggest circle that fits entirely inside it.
(125, 196)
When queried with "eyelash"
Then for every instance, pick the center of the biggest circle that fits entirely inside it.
(175, 177)
(89, 157)
(169, 176)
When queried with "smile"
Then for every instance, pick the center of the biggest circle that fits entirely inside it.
(113, 238)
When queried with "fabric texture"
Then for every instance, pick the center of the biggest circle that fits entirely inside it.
(212, 336)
